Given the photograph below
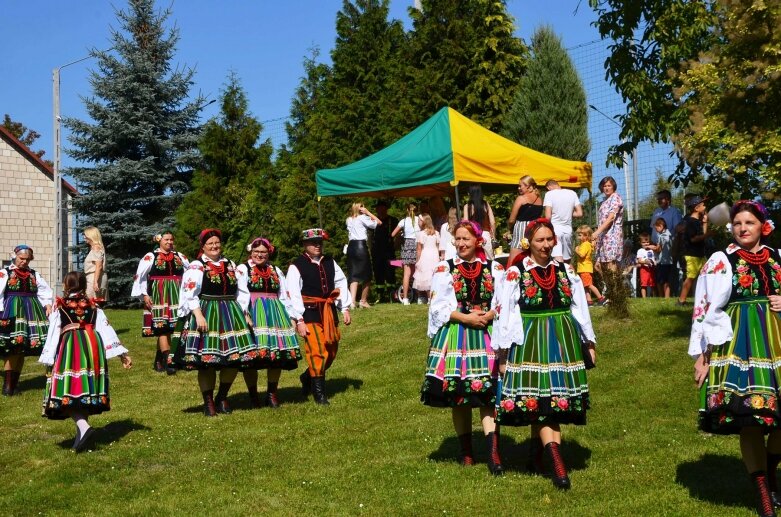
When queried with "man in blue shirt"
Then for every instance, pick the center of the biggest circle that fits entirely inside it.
(672, 216)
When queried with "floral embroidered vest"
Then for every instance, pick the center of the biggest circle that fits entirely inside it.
(219, 279)
(77, 309)
(20, 281)
(473, 284)
(262, 279)
(166, 264)
(544, 289)
(755, 274)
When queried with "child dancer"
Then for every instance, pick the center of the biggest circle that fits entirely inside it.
(586, 265)
(77, 346)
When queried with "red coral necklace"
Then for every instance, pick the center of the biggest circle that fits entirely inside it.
(468, 272)
(756, 259)
(548, 280)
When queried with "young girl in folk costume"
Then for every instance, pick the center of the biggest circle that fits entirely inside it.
(462, 370)
(267, 306)
(79, 342)
(157, 282)
(542, 327)
(25, 303)
(735, 341)
(427, 257)
(212, 330)
(408, 226)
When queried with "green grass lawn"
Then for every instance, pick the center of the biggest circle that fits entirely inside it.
(376, 449)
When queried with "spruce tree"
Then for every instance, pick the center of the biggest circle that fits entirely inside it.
(138, 152)
(549, 113)
(234, 181)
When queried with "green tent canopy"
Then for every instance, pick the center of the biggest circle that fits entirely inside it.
(446, 150)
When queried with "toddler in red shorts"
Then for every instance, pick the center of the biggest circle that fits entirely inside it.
(586, 265)
(646, 262)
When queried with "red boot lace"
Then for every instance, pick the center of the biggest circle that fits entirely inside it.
(765, 503)
(559, 469)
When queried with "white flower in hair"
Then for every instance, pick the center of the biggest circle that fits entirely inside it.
(249, 247)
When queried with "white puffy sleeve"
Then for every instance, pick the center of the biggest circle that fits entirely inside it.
(579, 306)
(340, 282)
(294, 292)
(368, 222)
(111, 342)
(242, 278)
(710, 324)
(3, 283)
(52, 339)
(284, 295)
(443, 236)
(190, 289)
(443, 298)
(45, 293)
(508, 327)
(142, 275)
(185, 262)
(497, 272)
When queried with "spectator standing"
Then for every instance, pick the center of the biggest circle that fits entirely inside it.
(409, 230)
(672, 218)
(427, 255)
(447, 247)
(561, 205)
(609, 234)
(695, 233)
(479, 211)
(382, 246)
(664, 258)
(586, 265)
(527, 207)
(358, 261)
(95, 264)
(646, 263)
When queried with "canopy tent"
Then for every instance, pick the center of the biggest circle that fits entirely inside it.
(446, 150)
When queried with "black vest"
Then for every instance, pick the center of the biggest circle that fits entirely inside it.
(316, 280)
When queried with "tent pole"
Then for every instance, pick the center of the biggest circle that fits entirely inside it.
(319, 213)
(458, 203)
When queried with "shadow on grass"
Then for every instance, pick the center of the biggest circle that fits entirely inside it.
(109, 433)
(35, 383)
(238, 398)
(514, 454)
(680, 320)
(121, 331)
(717, 479)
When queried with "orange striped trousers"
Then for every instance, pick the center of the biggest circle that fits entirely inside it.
(319, 355)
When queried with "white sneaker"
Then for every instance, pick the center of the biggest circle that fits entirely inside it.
(405, 301)
(420, 300)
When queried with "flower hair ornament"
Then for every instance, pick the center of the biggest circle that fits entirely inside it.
(158, 237)
(525, 243)
(19, 249)
(257, 241)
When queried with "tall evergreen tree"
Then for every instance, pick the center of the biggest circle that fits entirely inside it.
(549, 113)
(142, 145)
(464, 55)
(234, 181)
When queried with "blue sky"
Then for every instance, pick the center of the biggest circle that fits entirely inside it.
(263, 41)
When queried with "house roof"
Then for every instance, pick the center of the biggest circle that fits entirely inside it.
(34, 158)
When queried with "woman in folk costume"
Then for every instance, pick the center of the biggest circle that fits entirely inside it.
(543, 329)
(79, 342)
(736, 342)
(318, 290)
(264, 298)
(462, 369)
(212, 331)
(157, 281)
(25, 303)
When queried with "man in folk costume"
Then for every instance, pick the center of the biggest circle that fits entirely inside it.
(318, 289)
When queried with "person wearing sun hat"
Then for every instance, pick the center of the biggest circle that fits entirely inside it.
(318, 290)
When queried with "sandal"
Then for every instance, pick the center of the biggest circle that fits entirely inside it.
(363, 304)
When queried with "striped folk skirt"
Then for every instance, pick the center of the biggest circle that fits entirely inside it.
(79, 376)
(745, 374)
(274, 333)
(226, 344)
(161, 320)
(545, 380)
(462, 368)
(23, 325)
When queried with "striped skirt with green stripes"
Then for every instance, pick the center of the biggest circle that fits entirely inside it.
(462, 368)
(226, 344)
(742, 388)
(545, 380)
(23, 325)
(161, 320)
(79, 376)
(274, 333)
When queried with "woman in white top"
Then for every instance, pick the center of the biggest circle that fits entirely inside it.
(95, 264)
(358, 262)
(408, 227)
(447, 247)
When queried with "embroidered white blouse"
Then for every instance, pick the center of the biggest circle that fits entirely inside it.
(710, 324)
(192, 280)
(141, 279)
(357, 226)
(295, 283)
(45, 293)
(111, 343)
(509, 327)
(443, 295)
(242, 275)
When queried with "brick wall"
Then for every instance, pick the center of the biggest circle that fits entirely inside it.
(27, 211)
